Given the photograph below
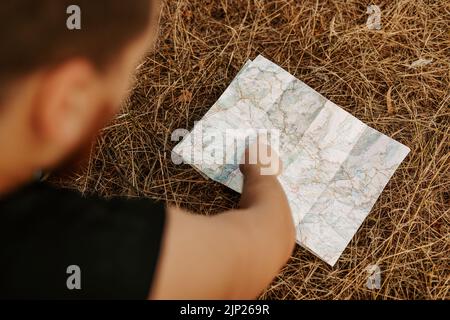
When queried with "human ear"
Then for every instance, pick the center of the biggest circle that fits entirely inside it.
(64, 106)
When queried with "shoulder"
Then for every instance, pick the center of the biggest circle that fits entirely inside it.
(44, 230)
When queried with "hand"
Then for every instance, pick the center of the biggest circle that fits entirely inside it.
(260, 159)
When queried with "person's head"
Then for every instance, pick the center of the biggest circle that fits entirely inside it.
(59, 84)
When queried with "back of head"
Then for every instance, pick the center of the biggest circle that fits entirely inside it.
(37, 33)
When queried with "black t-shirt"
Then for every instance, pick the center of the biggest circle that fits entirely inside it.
(52, 240)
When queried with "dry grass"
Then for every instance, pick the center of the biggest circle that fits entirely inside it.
(326, 44)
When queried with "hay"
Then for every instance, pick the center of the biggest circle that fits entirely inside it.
(326, 44)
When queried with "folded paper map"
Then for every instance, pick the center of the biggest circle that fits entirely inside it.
(335, 166)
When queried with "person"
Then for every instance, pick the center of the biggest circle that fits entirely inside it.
(58, 87)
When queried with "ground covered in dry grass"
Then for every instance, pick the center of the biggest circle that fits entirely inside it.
(202, 45)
